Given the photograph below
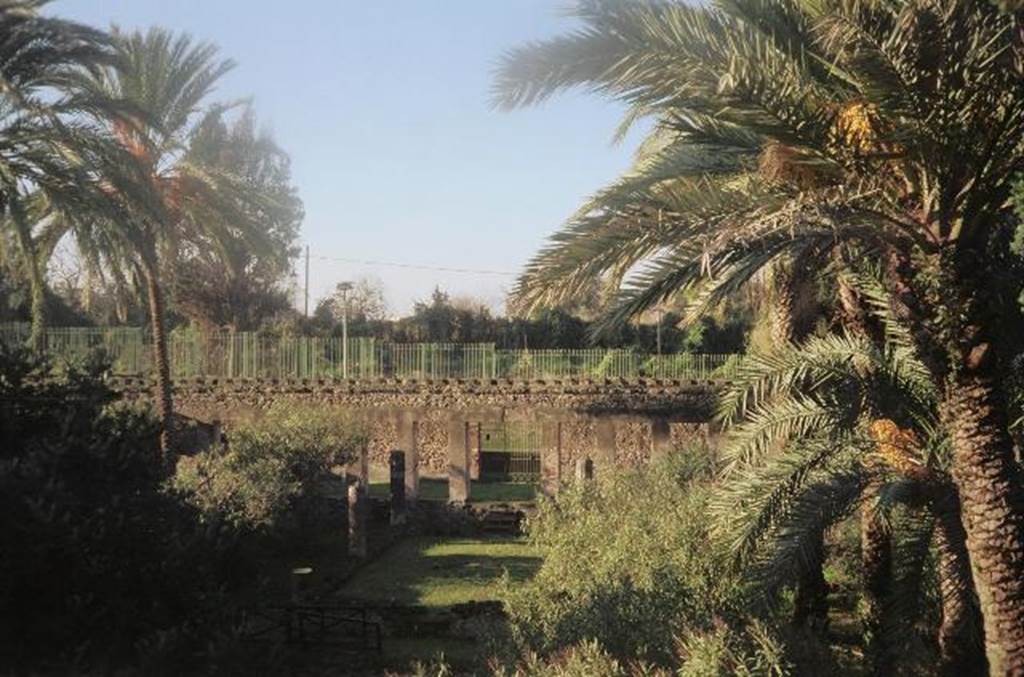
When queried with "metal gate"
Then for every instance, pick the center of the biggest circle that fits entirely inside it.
(511, 453)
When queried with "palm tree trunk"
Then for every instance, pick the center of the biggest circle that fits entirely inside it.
(164, 399)
(877, 564)
(961, 648)
(783, 308)
(810, 607)
(991, 489)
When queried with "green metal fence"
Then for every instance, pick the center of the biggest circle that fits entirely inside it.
(250, 355)
(511, 452)
(127, 347)
(437, 360)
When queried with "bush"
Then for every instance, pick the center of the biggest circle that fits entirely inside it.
(632, 584)
(98, 561)
(270, 466)
(751, 651)
(627, 562)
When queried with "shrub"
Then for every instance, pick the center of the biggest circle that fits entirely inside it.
(751, 651)
(270, 465)
(627, 562)
(632, 583)
(97, 559)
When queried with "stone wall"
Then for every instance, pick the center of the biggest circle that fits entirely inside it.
(681, 400)
(579, 409)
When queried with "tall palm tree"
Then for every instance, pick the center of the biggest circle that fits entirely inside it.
(166, 199)
(46, 141)
(793, 127)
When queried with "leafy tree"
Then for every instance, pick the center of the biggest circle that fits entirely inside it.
(226, 282)
(364, 302)
(785, 132)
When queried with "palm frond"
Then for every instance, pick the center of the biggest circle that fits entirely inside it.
(809, 482)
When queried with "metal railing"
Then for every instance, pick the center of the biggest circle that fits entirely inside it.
(249, 355)
(511, 452)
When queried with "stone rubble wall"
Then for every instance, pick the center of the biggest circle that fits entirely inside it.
(575, 404)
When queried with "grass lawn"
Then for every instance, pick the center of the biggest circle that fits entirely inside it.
(442, 572)
(432, 489)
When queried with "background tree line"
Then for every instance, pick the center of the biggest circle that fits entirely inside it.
(443, 319)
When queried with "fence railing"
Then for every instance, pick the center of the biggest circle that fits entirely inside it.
(248, 355)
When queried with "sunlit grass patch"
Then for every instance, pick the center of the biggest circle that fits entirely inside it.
(437, 572)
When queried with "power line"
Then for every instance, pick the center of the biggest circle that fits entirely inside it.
(415, 266)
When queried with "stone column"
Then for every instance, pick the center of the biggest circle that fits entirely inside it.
(359, 466)
(584, 469)
(396, 463)
(661, 438)
(551, 459)
(358, 479)
(357, 509)
(458, 461)
(605, 452)
(408, 428)
(476, 450)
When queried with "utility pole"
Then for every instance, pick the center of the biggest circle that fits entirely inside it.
(307, 281)
(344, 288)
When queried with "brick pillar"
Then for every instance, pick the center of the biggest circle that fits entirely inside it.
(396, 463)
(661, 438)
(551, 459)
(408, 428)
(458, 461)
(605, 452)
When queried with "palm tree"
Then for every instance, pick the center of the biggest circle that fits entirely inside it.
(166, 199)
(46, 141)
(790, 128)
(834, 401)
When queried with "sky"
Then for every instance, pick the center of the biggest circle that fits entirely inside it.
(397, 154)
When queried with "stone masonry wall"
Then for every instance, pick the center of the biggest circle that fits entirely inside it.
(575, 404)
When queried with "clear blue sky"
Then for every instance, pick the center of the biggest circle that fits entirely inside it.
(397, 154)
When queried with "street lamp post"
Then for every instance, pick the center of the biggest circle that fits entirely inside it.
(344, 288)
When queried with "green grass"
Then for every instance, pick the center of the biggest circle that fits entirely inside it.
(437, 572)
(432, 489)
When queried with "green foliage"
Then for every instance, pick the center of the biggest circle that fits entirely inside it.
(99, 562)
(270, 465)
(625, 564)
(442, 319)
(721, 651)
(780, 132)
(227, 281)
(632, 584)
